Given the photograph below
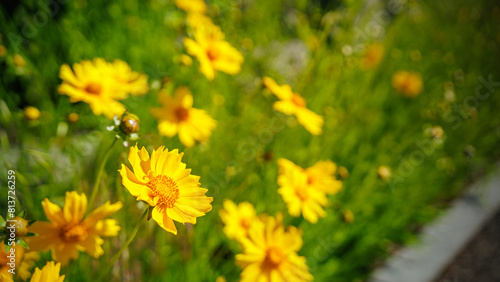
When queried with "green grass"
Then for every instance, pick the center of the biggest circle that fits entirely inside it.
(367, 124)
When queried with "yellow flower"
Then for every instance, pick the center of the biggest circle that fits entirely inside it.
(293, 104)
(32, 113)
(5, 261)
(192, 6)
(348, 216)
(69, 232)
(27, 263)
(130, 81)
(322, 177)
(49, 273)
(372, 56)
(298, 194)
(19, 60)
(164, 183)
(3, 51)
(237, 219)
(213, 53)
(73, 117)
(270, 253)
(100, 84)
(185, 60)
(407, 83)
(177, 116)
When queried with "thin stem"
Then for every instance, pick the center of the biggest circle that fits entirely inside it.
(119, 253)
(99, 175)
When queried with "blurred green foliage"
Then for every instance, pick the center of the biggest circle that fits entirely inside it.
(313, 45)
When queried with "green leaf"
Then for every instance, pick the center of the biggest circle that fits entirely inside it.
(150, 213)
(2, 222)
(22, 214)
(30, 234)
(22, 243)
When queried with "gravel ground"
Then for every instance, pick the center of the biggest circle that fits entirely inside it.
(480, 260)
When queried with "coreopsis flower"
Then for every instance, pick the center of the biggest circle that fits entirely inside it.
(68, 231)
(163, 182)
(293, 104)
(237, 219)
(270, 253)
(101, 84)
(213, 53)
(298, 194)
(27, 263)
(49, 273)
(32, 113)
(5, 260)
(131, 82)
(372, 56)
(192, 6)
(407, 83)
(177, 116)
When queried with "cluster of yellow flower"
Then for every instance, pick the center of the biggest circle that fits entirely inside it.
(269, 250)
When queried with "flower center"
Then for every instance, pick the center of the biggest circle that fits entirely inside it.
(212, 54)
(298, 100)
(181, 113)
(165, 189)
(93, 88)
(274, 257)
(301, 193)
(245, 223)
(73, 233)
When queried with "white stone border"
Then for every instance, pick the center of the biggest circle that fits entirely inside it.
(441, 241)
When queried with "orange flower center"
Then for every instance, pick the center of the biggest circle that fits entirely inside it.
(274, 257)
(245, 223)
(182, 114)
(73, 233)
(298, 100)
(165, 189)
(301, 193)
(212, 54)
(93, 88)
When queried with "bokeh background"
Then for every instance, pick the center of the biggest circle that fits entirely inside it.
(320, 49)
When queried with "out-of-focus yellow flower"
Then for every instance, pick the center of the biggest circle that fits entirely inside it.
(100, 84)
(209, 47)
(185, 60)
(73, 117)
(130, 81)
(348, 216)
(372, 56)
(270, 253)
(5, 260)
(192, 6)
(27, 263)
(407, 83)
(293, 104)
(384, 172)
(68, 231)
(220, 279)
(3, 51)
(163, 182)
(32, 113)
(299, 196)
(237, 219)
(177, 116)
(322, 177)
(19, 61)
(49, 273)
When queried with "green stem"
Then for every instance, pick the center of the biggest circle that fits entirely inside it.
(99, 175)
(119, 253)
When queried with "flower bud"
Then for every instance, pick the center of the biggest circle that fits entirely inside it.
(129, 124)
(21, 226)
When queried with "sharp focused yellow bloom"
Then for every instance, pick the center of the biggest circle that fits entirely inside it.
(407, 83)
(293, 104)
(299, 195)
(69, 232)
(49, 273)
(163, 182)
(32, 113)
(270, 253)
(100, 84)
(372, 56)
(209, 47)
(192, 6)
(237, 219)
(177, 116)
